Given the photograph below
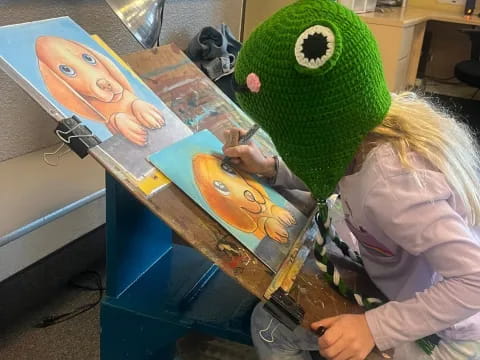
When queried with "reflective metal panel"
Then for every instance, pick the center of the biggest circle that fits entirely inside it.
(141, 17)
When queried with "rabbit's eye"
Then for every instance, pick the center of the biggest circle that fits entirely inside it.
(89, 59)
(67, 70)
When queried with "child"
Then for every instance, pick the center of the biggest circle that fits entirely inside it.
(408, 177)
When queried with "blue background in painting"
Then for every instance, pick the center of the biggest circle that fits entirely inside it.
(17, 47)
(176, 163)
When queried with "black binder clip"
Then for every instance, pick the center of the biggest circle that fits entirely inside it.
(283, 308)
(76, 136)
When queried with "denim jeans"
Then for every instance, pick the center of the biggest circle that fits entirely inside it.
(273, 341)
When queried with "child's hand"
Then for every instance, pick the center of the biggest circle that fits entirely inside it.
(247, 157)
(348, 337)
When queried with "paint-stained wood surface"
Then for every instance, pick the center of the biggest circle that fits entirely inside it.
(185, 89)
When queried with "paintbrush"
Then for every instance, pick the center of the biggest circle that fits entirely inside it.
(243, 140)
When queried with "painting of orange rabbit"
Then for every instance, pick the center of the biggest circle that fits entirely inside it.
(69, 72)
(254, 213)
(89, 84)
(240, 200)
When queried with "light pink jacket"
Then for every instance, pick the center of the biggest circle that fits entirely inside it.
(416, 246)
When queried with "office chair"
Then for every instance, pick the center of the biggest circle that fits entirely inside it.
(468, 71)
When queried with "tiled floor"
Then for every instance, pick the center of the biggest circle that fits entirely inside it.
(78, 338)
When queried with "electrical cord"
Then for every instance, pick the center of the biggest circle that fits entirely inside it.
(57, 319)
(475, 94)
(439, 79)
(445, 81)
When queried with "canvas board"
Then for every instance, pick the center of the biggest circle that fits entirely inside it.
(255, 214)
(68, 72)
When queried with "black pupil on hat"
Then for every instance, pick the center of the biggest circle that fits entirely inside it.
(315, 46)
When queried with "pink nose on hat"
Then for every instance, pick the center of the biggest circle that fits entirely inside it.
(253, 83)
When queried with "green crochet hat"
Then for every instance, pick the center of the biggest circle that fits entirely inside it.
(312, 77)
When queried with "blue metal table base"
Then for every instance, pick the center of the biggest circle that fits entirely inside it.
(158, 291)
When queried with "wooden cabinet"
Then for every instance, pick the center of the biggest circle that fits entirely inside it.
(400, 47)
(395, 44)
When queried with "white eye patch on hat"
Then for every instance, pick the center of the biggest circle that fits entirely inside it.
(315, 46)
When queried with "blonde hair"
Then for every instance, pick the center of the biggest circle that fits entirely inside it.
(413, 124)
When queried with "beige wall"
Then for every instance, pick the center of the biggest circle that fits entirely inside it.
(24, 126)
